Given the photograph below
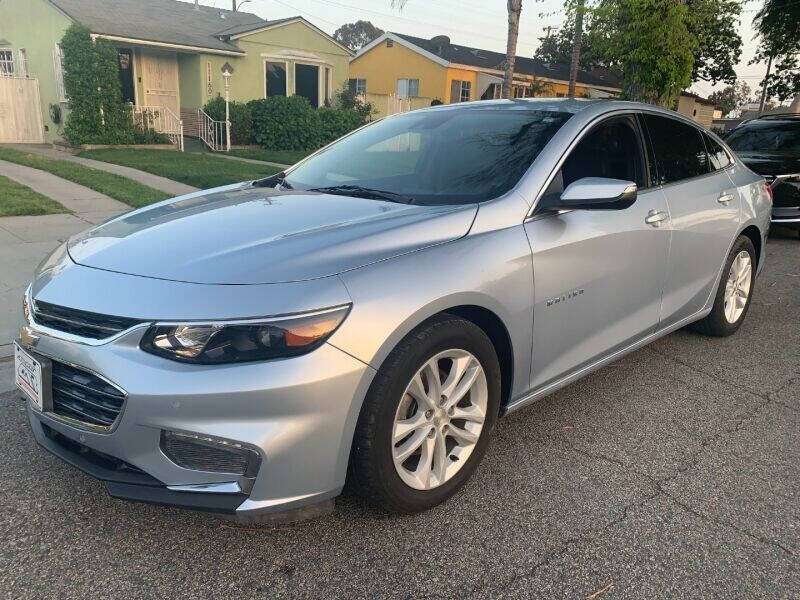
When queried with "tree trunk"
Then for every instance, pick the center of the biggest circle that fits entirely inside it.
(764, 89)
(576, 48)
(514, 11)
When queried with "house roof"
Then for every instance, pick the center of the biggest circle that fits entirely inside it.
(165, 21)
(441, 47)
(697, 98)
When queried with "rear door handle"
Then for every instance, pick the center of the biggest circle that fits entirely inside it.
(725, 198)
(655, 217)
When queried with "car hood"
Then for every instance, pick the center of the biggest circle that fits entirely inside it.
(248, 235)
(770, 163)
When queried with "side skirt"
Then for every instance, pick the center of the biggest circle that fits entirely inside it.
(536, 394)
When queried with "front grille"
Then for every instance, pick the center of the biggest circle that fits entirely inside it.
(206, 453)
(83, 397)
(80, 322)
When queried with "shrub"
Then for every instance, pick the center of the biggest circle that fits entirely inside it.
(347, 99)
(285, 123)
(97, 113)
(336, 122)
(241, 118)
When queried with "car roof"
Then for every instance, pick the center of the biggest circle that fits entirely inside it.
(589, 106)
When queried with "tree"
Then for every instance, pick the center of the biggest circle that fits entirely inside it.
(648, 40)
(777, 27)
(576, 47)
(556, 49)
(356, 35)
(714, 25)
(514, 8)
(731, 97)
(91, 81)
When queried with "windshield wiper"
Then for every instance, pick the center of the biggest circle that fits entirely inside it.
(364, 192)
(273, 180)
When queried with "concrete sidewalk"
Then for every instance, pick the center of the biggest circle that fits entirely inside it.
(252, 161)
(168, 186)
(88, 204)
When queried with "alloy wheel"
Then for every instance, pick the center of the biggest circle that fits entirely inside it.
(439, 419)
(737, 288)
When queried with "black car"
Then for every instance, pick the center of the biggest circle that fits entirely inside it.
(770, 146)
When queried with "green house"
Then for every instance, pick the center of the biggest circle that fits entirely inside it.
(171, 55)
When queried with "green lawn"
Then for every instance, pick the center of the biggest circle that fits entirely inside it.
(17, 200)
(121, 188)
(200, 170)
(285, 157)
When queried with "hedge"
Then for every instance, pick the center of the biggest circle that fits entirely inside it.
(286, 123)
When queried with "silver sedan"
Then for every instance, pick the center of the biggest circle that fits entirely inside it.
(367, 315)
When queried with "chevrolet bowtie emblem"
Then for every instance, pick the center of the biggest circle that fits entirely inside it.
(27, 337)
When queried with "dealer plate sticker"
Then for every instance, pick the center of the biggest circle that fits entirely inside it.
(28, 376)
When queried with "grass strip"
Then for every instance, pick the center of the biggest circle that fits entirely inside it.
(115, 186)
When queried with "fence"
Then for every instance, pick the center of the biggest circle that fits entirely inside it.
(161, 120)
(211, 132)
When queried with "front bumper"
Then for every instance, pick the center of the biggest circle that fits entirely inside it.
(298, 414)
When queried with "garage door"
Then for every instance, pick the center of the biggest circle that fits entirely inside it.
(20, 112)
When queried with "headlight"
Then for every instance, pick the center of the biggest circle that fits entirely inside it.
(242, 341)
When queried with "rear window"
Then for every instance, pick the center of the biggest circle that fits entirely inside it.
(765, 136)
(678, 148)
(439, 156)
(716, 153)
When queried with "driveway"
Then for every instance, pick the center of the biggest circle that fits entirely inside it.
(674, 472)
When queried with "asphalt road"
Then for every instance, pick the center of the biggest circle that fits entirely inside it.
(672, 473)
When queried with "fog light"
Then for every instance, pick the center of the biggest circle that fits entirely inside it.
(206, 453)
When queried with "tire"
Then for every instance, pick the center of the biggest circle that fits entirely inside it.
(373, 472)
(716, 323)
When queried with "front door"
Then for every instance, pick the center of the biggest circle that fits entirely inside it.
(704, 208)
(598, 274)
(307, 82)
(160, 81)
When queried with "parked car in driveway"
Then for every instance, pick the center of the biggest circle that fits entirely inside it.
(770, 146)
(367, 315)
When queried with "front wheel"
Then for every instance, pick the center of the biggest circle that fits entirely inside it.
(734, 292)
(427, 417)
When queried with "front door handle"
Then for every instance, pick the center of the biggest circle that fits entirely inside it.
(655, 217)
(725, 198)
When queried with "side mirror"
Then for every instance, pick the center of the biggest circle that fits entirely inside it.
(597, 193)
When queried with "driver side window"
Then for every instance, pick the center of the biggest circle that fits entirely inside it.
(611, 149)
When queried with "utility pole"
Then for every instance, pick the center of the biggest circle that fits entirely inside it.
(764, 89)
(576, 48)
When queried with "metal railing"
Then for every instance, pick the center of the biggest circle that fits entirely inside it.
(161, 120)
(212, 132)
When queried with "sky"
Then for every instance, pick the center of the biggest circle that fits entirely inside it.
(476, 23)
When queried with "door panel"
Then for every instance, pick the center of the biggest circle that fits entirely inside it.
(704, 209)
(703, 228)
(598, 278)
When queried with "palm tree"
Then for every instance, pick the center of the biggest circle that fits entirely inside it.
(514, 11)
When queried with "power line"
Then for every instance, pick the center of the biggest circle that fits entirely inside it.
(406, 19)
(307, 13)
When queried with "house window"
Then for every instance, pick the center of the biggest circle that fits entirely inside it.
(407, 88)
(276, 79)
(357, 86)
(58, 58)
(6, 62)
(23, 62)
(466, 91)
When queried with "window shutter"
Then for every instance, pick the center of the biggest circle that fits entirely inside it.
(455, 91)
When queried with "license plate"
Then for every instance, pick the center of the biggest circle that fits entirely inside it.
(31, 376)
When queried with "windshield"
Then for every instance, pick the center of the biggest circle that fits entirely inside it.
(765, 137)
(440, 156)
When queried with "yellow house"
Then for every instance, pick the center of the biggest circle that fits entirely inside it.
(401, 72)
(697, 108)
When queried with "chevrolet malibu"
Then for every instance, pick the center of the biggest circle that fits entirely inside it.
(367, 315)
